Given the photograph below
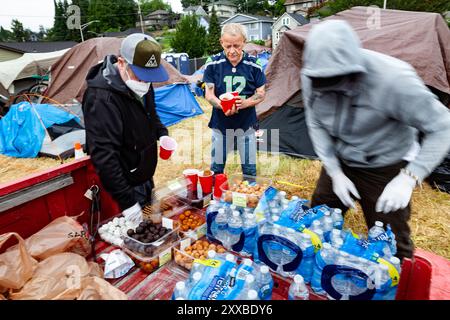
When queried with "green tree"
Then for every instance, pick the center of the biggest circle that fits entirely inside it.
(438, 6)
(213, 39)
(148, 6)
(5, 35)
(59, 32)
(18, 32)
(190, 37)
(188, 3)
(112, 14)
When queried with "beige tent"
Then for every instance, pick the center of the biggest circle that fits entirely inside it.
(26, 66)
(68, 76)
(419, 38)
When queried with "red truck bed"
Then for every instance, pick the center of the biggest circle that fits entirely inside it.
(29, 204)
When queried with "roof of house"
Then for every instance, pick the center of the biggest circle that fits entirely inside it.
(194, 8)
(37, 46)
(224, 2)
(253, 17)
(158, 12)
(289, 2)
(299, 18)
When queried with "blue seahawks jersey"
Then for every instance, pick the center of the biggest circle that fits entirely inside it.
(245, 78)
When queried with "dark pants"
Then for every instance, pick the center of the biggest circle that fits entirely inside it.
(370, 183)
(143, 193)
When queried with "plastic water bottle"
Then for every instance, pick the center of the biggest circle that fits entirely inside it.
(327, 227)
(234, 229)
(338, 219)
(315, 226)
(250, 283)
(338, 243)
(392, 291)
(264, 283)
(320, 235)
(298, 289)
(252, 295)
(196, 277)
(221, 226)
(306, 267)
(275, 247)
(324, 257)
(181, 291)
(293, 198)
(376, 230)
(250, 227)
(335, 235)
(275, 212)
(287, 254)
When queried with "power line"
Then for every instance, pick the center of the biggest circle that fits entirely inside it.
(103, 16)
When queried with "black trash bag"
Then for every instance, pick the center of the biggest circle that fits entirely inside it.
(440, 177)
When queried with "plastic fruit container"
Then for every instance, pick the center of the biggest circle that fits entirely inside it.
(150, 264)
(244, 191)
(191, 222)
(187, 250)
(150, 249)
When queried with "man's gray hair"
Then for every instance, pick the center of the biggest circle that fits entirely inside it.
(235, 29)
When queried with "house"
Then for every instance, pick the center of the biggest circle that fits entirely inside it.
(224, 9)
(159, 19)
(258, 27)
(301, 6)
(197, 10)
(287, 21)
(14, 50)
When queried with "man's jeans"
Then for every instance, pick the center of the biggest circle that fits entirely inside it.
(245, 143)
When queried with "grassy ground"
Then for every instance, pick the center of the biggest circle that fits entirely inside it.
(430, 221)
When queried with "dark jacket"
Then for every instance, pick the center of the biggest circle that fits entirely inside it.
(121, 132)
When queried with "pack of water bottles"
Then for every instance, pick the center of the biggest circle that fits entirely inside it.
(234, 227)
(357, 268)
(220, 277)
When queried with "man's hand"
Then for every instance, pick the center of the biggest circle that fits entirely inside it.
(397, 194)
(232, 111)
(134, 214)
(343, 187)
(242, 103)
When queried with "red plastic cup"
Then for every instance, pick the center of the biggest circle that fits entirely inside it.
(226, 101)
(206, 182)
(192, 176)
(167, 146)
(219, 180)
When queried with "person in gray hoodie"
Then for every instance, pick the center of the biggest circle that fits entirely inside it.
(364, 112)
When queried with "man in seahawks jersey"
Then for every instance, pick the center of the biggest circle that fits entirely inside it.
(233, 70)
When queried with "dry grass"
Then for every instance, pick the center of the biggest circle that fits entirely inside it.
(430, 221)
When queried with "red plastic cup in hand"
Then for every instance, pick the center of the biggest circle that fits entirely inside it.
(206, 181)
(227, 101)
(167, 146)
(192, 176)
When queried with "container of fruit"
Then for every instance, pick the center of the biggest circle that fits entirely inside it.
(191, 223)
(187, 250)
(150, 239)
(150, 264)
(243, 190)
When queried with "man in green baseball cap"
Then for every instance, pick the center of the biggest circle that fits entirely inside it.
(122, 126)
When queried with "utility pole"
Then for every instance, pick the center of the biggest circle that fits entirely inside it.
(140, 16)
(384, 6)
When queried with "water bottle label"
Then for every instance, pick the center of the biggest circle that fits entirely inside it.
(234, 230)
(393, 272)
(265, 292)
(317, 243)
(213, 263)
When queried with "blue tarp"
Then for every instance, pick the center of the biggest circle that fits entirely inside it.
(22, 128)
(175, 103)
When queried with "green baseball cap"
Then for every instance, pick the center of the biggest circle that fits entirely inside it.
(143, 54)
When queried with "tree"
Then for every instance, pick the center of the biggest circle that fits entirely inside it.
(5, 35)
(148, 6)
(438, 6)
(213, 39)
(188, 3)
(190, 37)
(84, 15)
(59, 32)
(18, 32)
(112, 14)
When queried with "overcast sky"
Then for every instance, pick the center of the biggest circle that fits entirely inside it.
(33, 13)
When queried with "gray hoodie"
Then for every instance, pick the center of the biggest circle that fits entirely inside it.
(372, 122)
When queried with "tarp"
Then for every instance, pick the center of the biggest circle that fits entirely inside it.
(27, 65)
(419, 38)
(174, 103)
(22, 129)
(255, 49)
(69, 72)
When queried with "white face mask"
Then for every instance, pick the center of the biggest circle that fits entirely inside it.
(140, 88)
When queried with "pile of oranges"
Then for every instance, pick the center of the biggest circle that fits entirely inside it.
(190, 220)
